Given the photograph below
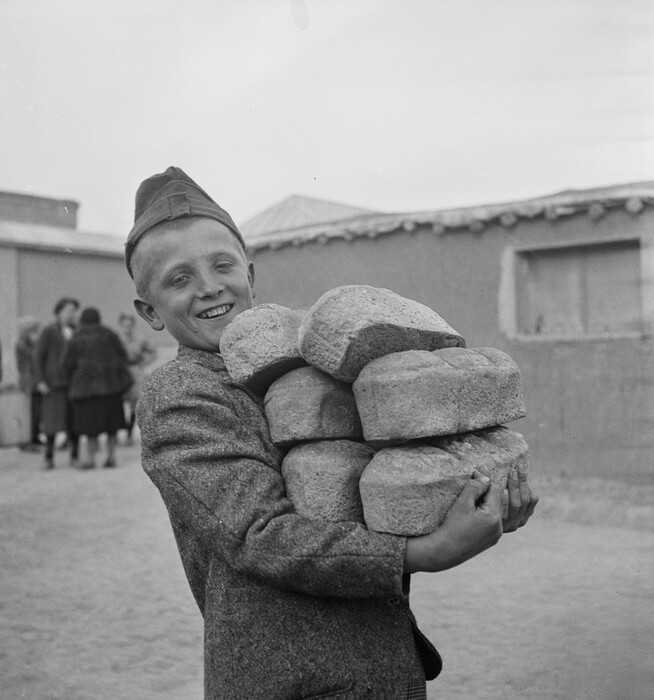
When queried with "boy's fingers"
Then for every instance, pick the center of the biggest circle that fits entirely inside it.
(532, 505)
(494, 495)
(515, 492)
(525, 491)
(475, 488)
(505, 504)
(479, 477)
(492, 500)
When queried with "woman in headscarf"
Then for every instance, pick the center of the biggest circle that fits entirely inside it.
(96, 366)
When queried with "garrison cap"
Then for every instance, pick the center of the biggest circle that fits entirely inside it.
(167, 196)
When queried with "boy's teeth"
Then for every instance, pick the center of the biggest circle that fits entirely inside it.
(218, 311)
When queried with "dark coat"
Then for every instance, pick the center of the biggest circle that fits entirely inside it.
(95, 363)
(293, 608)
(50, 350)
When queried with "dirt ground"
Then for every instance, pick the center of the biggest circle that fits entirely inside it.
(94, 605)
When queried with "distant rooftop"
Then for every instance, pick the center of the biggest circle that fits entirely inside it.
(273, 231)
(14, 234)
(296, 212)
(31, 209)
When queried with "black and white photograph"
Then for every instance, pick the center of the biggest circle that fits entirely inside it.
(326, 350)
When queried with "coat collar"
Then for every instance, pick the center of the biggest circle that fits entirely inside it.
(212, 360)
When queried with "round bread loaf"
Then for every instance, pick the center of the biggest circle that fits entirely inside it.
(416, 394)
(261, 344)
(307, 404)
(322, 478)
(408, 490)
(351, 325)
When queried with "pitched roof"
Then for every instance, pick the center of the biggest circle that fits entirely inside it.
(297, 212)
(594, 201)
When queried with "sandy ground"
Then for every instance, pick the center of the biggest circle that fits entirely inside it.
(94, 605)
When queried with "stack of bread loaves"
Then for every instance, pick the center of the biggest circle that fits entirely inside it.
(382, 410)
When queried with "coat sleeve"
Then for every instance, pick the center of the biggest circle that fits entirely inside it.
(220, 483)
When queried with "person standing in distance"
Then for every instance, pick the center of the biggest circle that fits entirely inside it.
(28, 334)
(96, 367)
(51, 380)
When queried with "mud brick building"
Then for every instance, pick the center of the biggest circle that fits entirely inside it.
(563, 283)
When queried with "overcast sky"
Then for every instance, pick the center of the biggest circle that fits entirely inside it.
(395, 105)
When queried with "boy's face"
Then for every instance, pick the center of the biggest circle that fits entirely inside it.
(197, 280)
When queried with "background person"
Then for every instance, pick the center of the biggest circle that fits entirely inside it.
(28, 334)
(140, 353)
(51, 381)
(96, 367)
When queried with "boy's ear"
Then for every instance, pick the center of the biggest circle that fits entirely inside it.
(147, 312)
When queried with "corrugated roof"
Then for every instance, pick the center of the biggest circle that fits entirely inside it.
(297, 212)
(65, 240)
(594, 201)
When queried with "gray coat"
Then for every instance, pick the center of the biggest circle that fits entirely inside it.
(293, 608)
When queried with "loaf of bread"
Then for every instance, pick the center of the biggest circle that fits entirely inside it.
(307, 404)
(415, 394)
(261, 344)
(349, 326)
(322, 478)
(408, 490)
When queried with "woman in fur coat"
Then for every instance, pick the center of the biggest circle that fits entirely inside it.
(98, 376)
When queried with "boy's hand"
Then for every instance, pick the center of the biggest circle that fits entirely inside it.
(473, 524)
(518, 501)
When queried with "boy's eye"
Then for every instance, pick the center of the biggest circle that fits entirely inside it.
(179, 280)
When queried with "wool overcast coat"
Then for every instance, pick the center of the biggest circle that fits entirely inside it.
(293, 608)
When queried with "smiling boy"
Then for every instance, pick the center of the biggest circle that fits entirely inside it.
(195, 289)
(293, 608)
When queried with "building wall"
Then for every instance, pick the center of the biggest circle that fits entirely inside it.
(32, 280)
(590, 400)
(8, 310)
(45, 276)
(27, 208)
